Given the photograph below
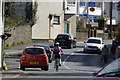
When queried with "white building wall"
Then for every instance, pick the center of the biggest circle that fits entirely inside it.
(72, 8)
(41, 29)
(115, 13)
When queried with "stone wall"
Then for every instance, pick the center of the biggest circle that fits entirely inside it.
(20, 34)
(84, 35)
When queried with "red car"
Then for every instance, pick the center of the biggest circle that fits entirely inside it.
(34, 57)
(109, 72)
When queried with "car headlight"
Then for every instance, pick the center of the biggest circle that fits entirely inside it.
(98, 46)
(86, 46)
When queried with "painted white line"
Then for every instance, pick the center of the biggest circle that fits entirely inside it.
(82, 67)
(80, 42)
(13, 52)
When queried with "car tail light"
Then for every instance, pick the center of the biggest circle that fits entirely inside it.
(70, 39)
(56, 38)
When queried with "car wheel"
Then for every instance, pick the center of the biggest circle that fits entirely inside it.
(46, 68)
(70, 46)
(84, 51)
(22, 67)
(75, 46)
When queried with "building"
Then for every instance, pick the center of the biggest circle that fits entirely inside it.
(50, 21)
(87, 16)
(88, 11)
(70, 8)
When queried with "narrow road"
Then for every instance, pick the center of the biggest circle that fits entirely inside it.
(75, 64)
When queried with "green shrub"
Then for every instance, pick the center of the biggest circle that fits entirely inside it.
(14, 44)
(101, 22)
(79, 25)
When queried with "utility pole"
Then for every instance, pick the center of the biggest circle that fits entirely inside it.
(110, 33)
(1, 32)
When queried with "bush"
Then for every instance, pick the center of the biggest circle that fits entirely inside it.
(79, 25)
(101, 22)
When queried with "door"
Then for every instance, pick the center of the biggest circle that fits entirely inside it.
(66, 28)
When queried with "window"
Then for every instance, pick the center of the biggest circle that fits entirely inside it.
(56, 20)
(113, 6)
(82, 3)
(71, 2)
(34, 51)
(91, 4)
(98, 4)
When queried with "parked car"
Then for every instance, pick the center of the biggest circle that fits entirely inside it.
(48, 51)
(93, 44)
(109, 72)
(34, 57)
(66, 40)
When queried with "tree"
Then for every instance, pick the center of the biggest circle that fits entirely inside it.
(79, 25)
(101, 22)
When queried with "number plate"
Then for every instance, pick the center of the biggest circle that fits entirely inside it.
(62, 40)
(34, 62)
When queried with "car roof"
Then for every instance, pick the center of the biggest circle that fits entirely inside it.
(33, 47)
(65, 34)
(95, 38)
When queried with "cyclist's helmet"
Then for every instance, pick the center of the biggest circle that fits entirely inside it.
(57, 44)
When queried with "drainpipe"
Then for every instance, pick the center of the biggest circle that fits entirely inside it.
(50, 18)
(110, 33)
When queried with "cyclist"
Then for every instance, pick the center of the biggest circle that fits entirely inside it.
(57, 53)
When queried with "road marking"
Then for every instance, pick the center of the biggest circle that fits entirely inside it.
(80, 42)
(76, 70)
(13, 52)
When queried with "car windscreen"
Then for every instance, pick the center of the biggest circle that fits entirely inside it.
(62, 37)
(113, 67)
(34, 51)
(94, 41)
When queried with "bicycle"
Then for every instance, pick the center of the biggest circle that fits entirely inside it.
(57, 64)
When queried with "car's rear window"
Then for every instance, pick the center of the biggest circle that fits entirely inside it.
(34, 51)
(45, 47)
(62, 36)
(94, 41)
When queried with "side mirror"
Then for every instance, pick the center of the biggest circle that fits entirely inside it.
(85, 41)
(75, 38)
(102, 42)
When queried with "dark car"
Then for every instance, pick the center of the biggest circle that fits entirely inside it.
(109, 72)
(48, 51)
(66, 40)
(34, 57)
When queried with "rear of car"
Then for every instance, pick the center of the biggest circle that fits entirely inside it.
(48, 51)
(34, 57)
(65, 40)
(93, 45)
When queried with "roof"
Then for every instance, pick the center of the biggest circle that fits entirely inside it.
(94, 38)
(65, 34)
(34, 47)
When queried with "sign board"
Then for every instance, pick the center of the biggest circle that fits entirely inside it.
(94, 24)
